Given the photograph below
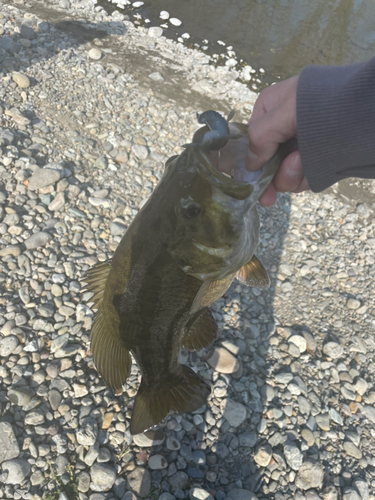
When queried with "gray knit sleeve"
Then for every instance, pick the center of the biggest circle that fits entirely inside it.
(336, 123)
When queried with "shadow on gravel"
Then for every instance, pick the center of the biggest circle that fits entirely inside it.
(15, 50)
(252, 385)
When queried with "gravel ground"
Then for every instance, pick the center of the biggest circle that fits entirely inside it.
(89, 112)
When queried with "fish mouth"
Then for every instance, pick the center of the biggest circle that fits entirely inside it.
(226, 168)
(216, 252)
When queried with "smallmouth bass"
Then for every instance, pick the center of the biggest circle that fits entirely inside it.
(196, 233)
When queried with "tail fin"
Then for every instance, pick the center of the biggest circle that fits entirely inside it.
(182, 393)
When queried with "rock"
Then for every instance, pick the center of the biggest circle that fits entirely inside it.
(335, 416)
(333, 350)
(20, 396)
(179, 481)
(248, 439)
(43, 177)
(221, 360)
(103, 477)
(92, 454)
(268, 392)
(369, 412)
(88, 432)
(353, 304)
(239, 494)
(221, 450)
(155, 31)
(310, 475)
(8, 443)
(322, 421)
(57, 203)
(308, 436)
(199, 494)
(21, 80)
(166, 496)
(83, 482)
(172, 443)
(95, 54)
(117, 229)
(299, 341)
(362, 487)
(234, 413)
(54, 398)
(352, 450)
(329, 493)
(14, 250)
(157, 77)
(139, 481)
(37, 478)
(175, 21)
(157, 462)
(141, 152)
(27, 32)
(350, 494)
(38, 240)
(8, 345)
(9, 45)
(293, 455)
(101, 162)
(361, 386)
(164, 15)
(263, 455)
(34, 417)
(17, 469)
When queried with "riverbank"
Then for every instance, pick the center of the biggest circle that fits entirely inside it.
(91, 107)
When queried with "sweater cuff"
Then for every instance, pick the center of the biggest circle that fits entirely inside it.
(335, 121)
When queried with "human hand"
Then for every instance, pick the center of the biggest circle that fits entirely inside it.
(272, 123)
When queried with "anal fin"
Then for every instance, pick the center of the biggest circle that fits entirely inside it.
(180, 393)
(254, 274)
(201, 331)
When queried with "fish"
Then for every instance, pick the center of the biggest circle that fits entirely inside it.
(197, 232)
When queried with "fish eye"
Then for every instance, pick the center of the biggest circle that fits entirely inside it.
(191, 211)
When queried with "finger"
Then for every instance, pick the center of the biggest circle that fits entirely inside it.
(290, 174)
(264, 140)
(269, 196)
(304, 186)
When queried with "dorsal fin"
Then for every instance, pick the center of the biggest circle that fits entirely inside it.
(95, 280)
(111, 358)
(210, 292)
(202, 331)
(254, 274)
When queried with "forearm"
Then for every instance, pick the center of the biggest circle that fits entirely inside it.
(336, 123)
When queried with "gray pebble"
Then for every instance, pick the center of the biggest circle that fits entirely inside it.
(17, 469)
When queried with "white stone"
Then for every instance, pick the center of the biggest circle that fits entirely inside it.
(157, 462)
(164, 15)
(299, 341)
(175, 21)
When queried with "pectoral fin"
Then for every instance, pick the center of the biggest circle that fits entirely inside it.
(111, 358)
(210, 292)
(202, 331)
(254, 274)
(180, 393)
(95, 280)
